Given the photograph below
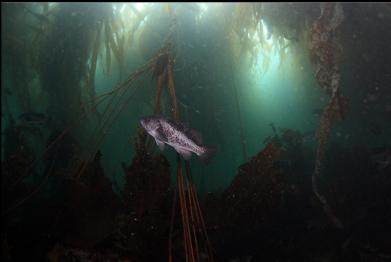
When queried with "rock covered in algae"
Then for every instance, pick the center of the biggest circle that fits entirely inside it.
(147, 182)
(90, 209)
(258, 188)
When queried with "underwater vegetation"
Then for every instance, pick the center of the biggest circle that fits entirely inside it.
(295, 96)
(325, 57)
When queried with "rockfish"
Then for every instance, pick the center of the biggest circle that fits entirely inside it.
(183, 139)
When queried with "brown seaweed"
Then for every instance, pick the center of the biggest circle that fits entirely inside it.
(256, 186)
(147, 180)
(323, 49)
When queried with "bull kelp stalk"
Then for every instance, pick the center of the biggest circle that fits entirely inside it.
(322, 47)
(62, 66)
(241, 129)
(64, 58)
(15, 39)
(69, 54)
(117, 47)
(192, 220)
(118, 102)
(92, 70)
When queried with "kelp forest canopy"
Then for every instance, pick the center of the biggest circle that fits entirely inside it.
(270, 84)
(66, 59)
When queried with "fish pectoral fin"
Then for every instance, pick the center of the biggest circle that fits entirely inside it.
(194, 135)
(160, 144)
(184, 153)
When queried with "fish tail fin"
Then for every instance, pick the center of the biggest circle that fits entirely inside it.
(208, 154)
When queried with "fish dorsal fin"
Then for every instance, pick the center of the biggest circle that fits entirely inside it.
(191, 133)
(194, 135)
(180, 126)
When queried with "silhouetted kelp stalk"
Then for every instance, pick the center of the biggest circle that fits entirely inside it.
(323, 50)
(107, 35)
(116, 105)
(245, 18)
(67, 65)
(15, 45)
(192, 219)
(241, 129)
(92, 70)
(117, 47)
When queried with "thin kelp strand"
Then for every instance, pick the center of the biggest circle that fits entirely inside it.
(108, 49)
(94, 58)
(101, 131)
(107, 122)
(111, 107)
(170, 235)
(36, 190)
